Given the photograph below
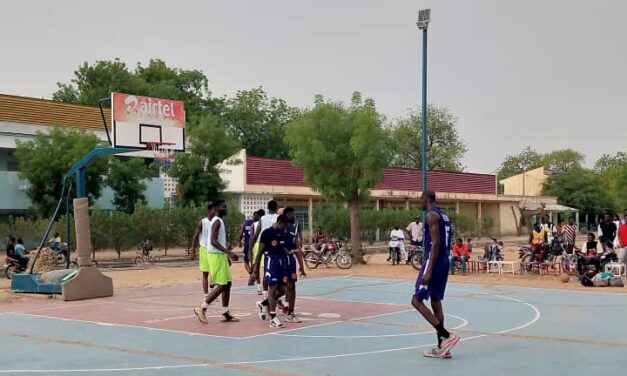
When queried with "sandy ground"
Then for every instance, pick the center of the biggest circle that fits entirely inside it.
(376, 266)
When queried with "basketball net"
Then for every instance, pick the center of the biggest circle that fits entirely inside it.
(163, 152)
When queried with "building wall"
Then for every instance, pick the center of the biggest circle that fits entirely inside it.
(14, 198)
(508, 219)
(491, 210)
(528, 183)
(468, 208)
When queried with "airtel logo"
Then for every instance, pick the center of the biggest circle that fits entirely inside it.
(148, 106)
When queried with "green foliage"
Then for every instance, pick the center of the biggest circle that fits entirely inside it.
(92, 82)
(258, 122)
(444, 146)
(514, 164)
(580, 188)
(197, 172)
(233, 221)
(45, 160)
(555, 162)
(612, 171)
(334, 220)
(126, 178)
(342, 149)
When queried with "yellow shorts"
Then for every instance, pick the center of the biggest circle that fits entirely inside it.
(219, 268)
(203, 263)
(263, 259)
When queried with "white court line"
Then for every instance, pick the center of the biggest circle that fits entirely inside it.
(464, 323)
(102, 369)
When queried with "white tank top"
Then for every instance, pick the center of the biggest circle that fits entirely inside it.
(221, 236)
(266, 222)
(204, 235)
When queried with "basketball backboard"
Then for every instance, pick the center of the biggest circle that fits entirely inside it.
(140, 122)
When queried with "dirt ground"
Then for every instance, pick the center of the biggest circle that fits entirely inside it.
(377, 266)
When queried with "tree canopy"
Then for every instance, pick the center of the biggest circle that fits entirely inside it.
(45, 160)
(445, 148)
(556, 162)
(92, 82)
(343, 151)
(580, 188)
(197, 172)
(126, 178)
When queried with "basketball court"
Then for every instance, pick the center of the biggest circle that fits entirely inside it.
(352, 326)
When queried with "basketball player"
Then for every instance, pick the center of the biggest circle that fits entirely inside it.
(264, 223)
(433, 276)
(272, 245)
(218, 256)
(201, 236)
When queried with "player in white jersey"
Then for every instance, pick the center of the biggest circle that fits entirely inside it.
(219, 255)
(199, 243)
(264, 223)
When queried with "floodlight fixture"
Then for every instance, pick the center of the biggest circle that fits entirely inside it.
(424, 16)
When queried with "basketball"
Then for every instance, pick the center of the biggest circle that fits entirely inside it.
(565, 278)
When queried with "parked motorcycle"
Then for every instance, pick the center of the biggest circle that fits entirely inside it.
(415, 256)
(12, 266)
(332, 250)
(395, 245)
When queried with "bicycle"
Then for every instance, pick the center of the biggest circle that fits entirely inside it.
(145, 257)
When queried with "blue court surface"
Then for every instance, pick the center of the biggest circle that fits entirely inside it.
(505, 330)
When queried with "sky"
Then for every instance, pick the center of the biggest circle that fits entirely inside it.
(549, 74)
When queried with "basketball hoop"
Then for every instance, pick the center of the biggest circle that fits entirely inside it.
(163, 152)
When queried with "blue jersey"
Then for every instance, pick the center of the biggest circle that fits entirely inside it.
(247, 229)
(292, 232)
(275, 241)
(446, 235)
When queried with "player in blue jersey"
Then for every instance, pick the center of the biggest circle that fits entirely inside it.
(244, 241)
(431, 282)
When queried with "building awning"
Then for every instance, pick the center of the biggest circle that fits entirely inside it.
(550, 208)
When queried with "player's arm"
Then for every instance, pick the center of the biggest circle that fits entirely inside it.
(241, 236)
(433, 220)
(254, 237)
(196, 237)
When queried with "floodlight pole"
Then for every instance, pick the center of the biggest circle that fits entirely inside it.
(424, 16)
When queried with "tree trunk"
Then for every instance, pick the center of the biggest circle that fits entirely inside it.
(356, 250)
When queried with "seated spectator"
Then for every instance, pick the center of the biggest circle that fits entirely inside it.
(10, 246)
(622, 238)
(469, 244)
(461, 254)
(591, 255)
(538, 241)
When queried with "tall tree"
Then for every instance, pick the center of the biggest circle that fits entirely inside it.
(259, 122)
(556, 162)
(514, 164)
(126, 178)
(45, 160)
(197, 172)
(445, 148)
(343, 151)
(579, 188)
(562, 160)
(612, 170)
(92, 82)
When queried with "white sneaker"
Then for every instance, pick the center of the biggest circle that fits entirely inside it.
(276, 323)
(262, 310)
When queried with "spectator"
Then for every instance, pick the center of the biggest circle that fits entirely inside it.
(461, 254)
(469, 244)
(608, 230)
(548, 227)
(415, 230)
(591, 255)
(397, 240)
(599, 227)
(10, 246)
(569, 232)
(622, 237)
(538, 240)
(20, 253)
(617, 224)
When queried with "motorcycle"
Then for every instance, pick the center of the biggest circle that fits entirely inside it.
(491, 252)
(332, 250)
(415, 256)
(395, 246)
(12, 266)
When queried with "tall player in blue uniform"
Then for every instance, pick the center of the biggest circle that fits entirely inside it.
(431, 282)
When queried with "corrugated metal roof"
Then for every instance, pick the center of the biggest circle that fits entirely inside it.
(281, 172)
(18, 109)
